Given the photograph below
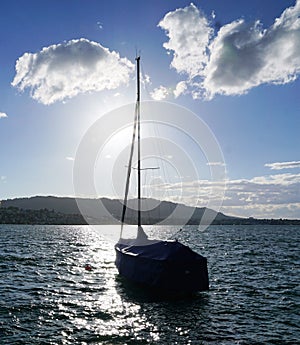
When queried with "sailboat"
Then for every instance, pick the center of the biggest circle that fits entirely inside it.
(167, 267)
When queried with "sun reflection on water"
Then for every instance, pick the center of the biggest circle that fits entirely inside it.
(93, 301)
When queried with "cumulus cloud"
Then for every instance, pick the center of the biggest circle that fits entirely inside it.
(160, 93)
(238, 57)
(2, 115)
(65, 70)
(283, 165)
(180, 89)
(189, 34)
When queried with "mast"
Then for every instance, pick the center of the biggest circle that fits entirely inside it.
(139, 140)
(136, 128)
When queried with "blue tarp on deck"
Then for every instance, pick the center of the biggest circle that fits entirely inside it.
(162, 250)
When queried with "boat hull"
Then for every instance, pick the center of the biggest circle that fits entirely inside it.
(166, 266)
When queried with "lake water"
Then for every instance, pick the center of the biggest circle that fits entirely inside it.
(47, 297)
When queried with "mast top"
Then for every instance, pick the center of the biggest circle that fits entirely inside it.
(137, 59)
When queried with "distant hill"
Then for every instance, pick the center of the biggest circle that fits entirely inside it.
(15, 215)
(106, 210)
(64, 205)
(65, 210)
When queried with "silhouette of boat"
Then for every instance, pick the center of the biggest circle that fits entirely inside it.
(167, 267)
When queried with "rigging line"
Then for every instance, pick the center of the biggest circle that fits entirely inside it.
(129, 168)
(144, 79)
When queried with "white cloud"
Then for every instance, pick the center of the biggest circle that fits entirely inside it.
(189, 34)
(2, 115)
(277, 179)
(100, 25)
(244, 56)
(215, 163)
(68, 158)
(65, 70)
(145, 80)
(271, 196)
(283, 165)
(289, 211)
(180, 89)
(160, 93)
(241, 55)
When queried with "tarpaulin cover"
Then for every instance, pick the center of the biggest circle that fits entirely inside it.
(162, 250)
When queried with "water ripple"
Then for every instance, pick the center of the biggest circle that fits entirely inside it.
(47, 296)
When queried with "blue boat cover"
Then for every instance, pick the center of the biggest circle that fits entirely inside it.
(162, 250)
